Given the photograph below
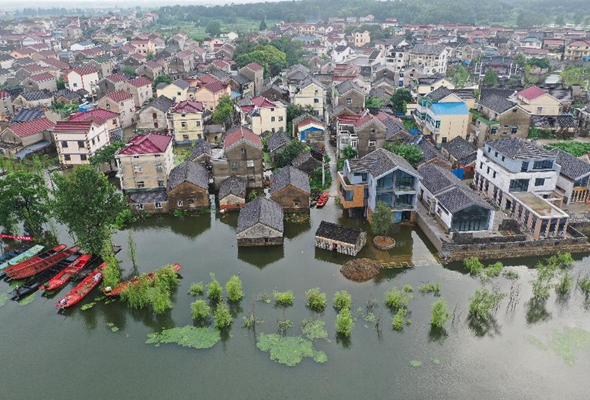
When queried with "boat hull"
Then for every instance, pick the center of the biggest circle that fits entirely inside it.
(82, 289)
(43, 265)
(68, 273)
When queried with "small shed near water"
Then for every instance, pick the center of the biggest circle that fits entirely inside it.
(341, 239)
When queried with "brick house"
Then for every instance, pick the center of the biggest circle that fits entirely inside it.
(188, 187)
(154, 116)
(260, 223)
(140, 88)
(290, 189)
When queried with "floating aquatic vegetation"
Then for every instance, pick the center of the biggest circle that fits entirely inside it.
(289, 350)
(88, 306)
(435, 360)
(109, 301)
(27, 300)
(113, 327)
(99, 298)
(416, 363)
(3, 299)
(14, 284)
(370, 317)
(187, 336)
(314, 329)
(567, 344)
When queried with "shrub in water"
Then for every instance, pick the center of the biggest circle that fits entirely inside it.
(494, 269)
(473, 265)
(222, 316)
(284, 299)
(233, 288)
(196, 289)
(200, 310)
(440, 314)
(430, 287)
(408, 289)
(395, 299)
(316, 300)
(398, 319)
(214, 289)
(342, 300)
(344, 322)
(483, 303)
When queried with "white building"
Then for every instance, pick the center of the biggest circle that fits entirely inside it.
(77, 141)
(85, 77)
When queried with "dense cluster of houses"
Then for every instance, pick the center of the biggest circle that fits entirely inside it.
(77, 90)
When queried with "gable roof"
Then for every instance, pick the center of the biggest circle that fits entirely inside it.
(215, 87)
(42, 77)
(254, 67)
(381, 161)
(459, 147)
(340, 233)
(162, 103)
(232, 185)
(261, 210)
(496, 100)
(571, 167)
(72, 126)
(97, 115)
(119, 96)
(140, 81)
(36, 95)
(187, 107)
(517, 148)
(531, 93)
(277, 140)
(152, 143)
(241, 133)
(189, 172)
(116, 78)
(25, 129)
(289, 176)
(84, 70)
(200, 148)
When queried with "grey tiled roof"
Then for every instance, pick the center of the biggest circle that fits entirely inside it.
(148, 196)
(516, 148)
(436, 180)
(189, 172)
(380, 161)
(553, 121)
(36, 95)
(571, 167)
(261, 210)
(200, 148)
(289, 176)
(458, 198)
(427, 49)
(241, 79)
(162, 103)
(439, 94)
(27, 114)
(276, 141)
(66, 93)
(232, 185)
(496, 99)
(459, 147)
(340, 233)
(304, 158)
(347, 86)
(306, 116)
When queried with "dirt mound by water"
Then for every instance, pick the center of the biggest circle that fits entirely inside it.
(361, 269)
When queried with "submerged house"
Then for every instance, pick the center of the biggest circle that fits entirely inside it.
(232, 193)
(260, 223)
(188, 187)
(341, 239)
(290, 188)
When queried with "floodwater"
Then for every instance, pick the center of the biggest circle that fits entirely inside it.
(77, 356)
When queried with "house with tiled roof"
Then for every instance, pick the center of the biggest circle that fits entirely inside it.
(188, 187)
(36, 98)
(122, 103)
(309, 128)
(260, 223)
(186, 122)
(254, 72)
(232, 193)
(210, 94)
(310, 92)
(264, 115)
(347, 93)
(85, 77)
(141, 90)
(289, 187)
(77, 141)
(446, 120)
(100, 116)
(574, 178)
(363, 132)
(577, 50)
(241, 156)
(110, 83)
(152, 69)
(176, 91)
(154, 115)
(145, 162)
(19, 136)
(538, 102)
(42, 81)
(379, 176)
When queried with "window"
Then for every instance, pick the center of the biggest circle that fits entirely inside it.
(280, 119)
(67, 157)
(137, 169)
(198, 124)
(64, 144)
(272, 119)
(154, 116)
(519, 185)
(191, 201)
(139, 206)
(349, 101)
(481, 165)
(496, 154)
(488, 170)
(234, 165)
(140, 184)
(524, 167)
(180, 203)
(135, 156)
(183, 124)
(494, 130)
(539, 110)
(185, 137)
(543, 164)
(83, 157)
(348, 195)
(514, 130)
(316, 101)
(372, 143)
(160, 183)
(81, 144)
(250, 163)
(444, 139)
(503, 158)
(539, 181)
(158, 205)
(159, 168)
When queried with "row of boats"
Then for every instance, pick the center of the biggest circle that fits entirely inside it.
(51, 269)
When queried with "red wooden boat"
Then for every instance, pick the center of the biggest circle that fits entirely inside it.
(42, 265)
(70, 271)
(82, 289)
(108, 291)
(41, 257)
(323, 200)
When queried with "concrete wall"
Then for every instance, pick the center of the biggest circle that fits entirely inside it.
(191, 196)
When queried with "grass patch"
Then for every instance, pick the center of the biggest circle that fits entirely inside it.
(187, 336)
(567, 344)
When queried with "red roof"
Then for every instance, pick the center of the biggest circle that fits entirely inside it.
(140, 81)
(207, 79)
(531, 93)
(215, 87)
(262, 102)
(119, 95)
(32, 127)
(183, 107)
(33, 68)
(255, 67)
(242, 133)
(98, 116)
(45, 76)
(146, 144)
(72, 126)
(116, 78)
(85, 70)
(4, 94)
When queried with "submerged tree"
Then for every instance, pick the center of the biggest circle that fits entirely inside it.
(381, 219)
(440, 314)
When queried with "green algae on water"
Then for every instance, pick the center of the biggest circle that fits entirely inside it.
(567, 344)
(416, 363)
(27, 300)
(88, 306)
(288, 350)
(3, 299)
(314, 329)
(187, 336)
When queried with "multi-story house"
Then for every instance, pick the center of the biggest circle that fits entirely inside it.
(122, 103)
(188, 187)
(42, 81)
(379, 176)
(446, 120)
(176, 91)
(349, 95)
(495, 117)
(6, 109)
(185, 120)
(110, 83)
(264, 115)
(154, 116)
(18, 136)
(578, 50)
(310, 92)
(519, 177)
(442, 95)
(85, 77)
(360, 39)
(144, 46)
(140, 88)
(77, 141)
(110, 118)
(573, 181)
(145, 162)
(538, 102)
(432, 58)
(210, 94)
(241, 156)
(255, 73)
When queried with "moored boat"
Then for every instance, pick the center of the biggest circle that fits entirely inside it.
(70, 271)
(108, 291)
(41, 257)
(323, 200)
(13, 253)
(33, 284)
(26, 254)
(82, 289)
(42, 265)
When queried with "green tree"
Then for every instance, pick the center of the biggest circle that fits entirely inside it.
(576, 75)
(342, 299)
(112, 271)
(490, 79)
(400, 100)
(272, 59)
(224, 111)
(410, 153)
(129, 71)
(213, 28)
(347, 153)
(106, 155)
(150, 56)
(214, 289)
(61, 83)
(484, 303)
(233, 287)
(288, 153)
(519, 60)
(200, 310)
(24, 198)
(161, 79)
(293, 49)
(373, 102)
(88, 205)
(460, 76)
(440, 314)
(381, 219)
(223, 318)
(344, 322)
(262, 26)
(316, 300)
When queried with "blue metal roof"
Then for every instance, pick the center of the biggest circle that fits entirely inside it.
(453, 108)
(32, 149)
